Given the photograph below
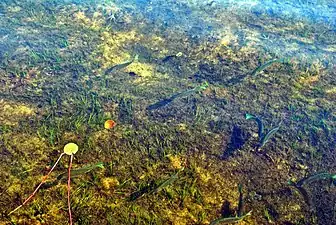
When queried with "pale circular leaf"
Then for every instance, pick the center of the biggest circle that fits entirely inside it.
(70, 148)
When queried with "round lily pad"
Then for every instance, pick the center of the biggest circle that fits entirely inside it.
(70, 148)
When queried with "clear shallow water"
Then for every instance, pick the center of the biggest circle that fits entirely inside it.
(187, 85)
(311, 11)
(246, 19)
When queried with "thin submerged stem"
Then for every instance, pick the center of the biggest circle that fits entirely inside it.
(69, 173)
(42, 182)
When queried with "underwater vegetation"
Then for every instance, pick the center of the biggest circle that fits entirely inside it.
(152, 92)
(69, 149)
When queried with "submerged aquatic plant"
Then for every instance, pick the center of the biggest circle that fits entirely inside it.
(263, 138)
(69, 149)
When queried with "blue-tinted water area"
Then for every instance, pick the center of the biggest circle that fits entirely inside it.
(181, 112)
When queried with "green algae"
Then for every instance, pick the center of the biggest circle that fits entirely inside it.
(59, 80)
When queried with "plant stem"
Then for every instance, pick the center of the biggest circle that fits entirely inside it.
(42, 182)
(69, 173)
